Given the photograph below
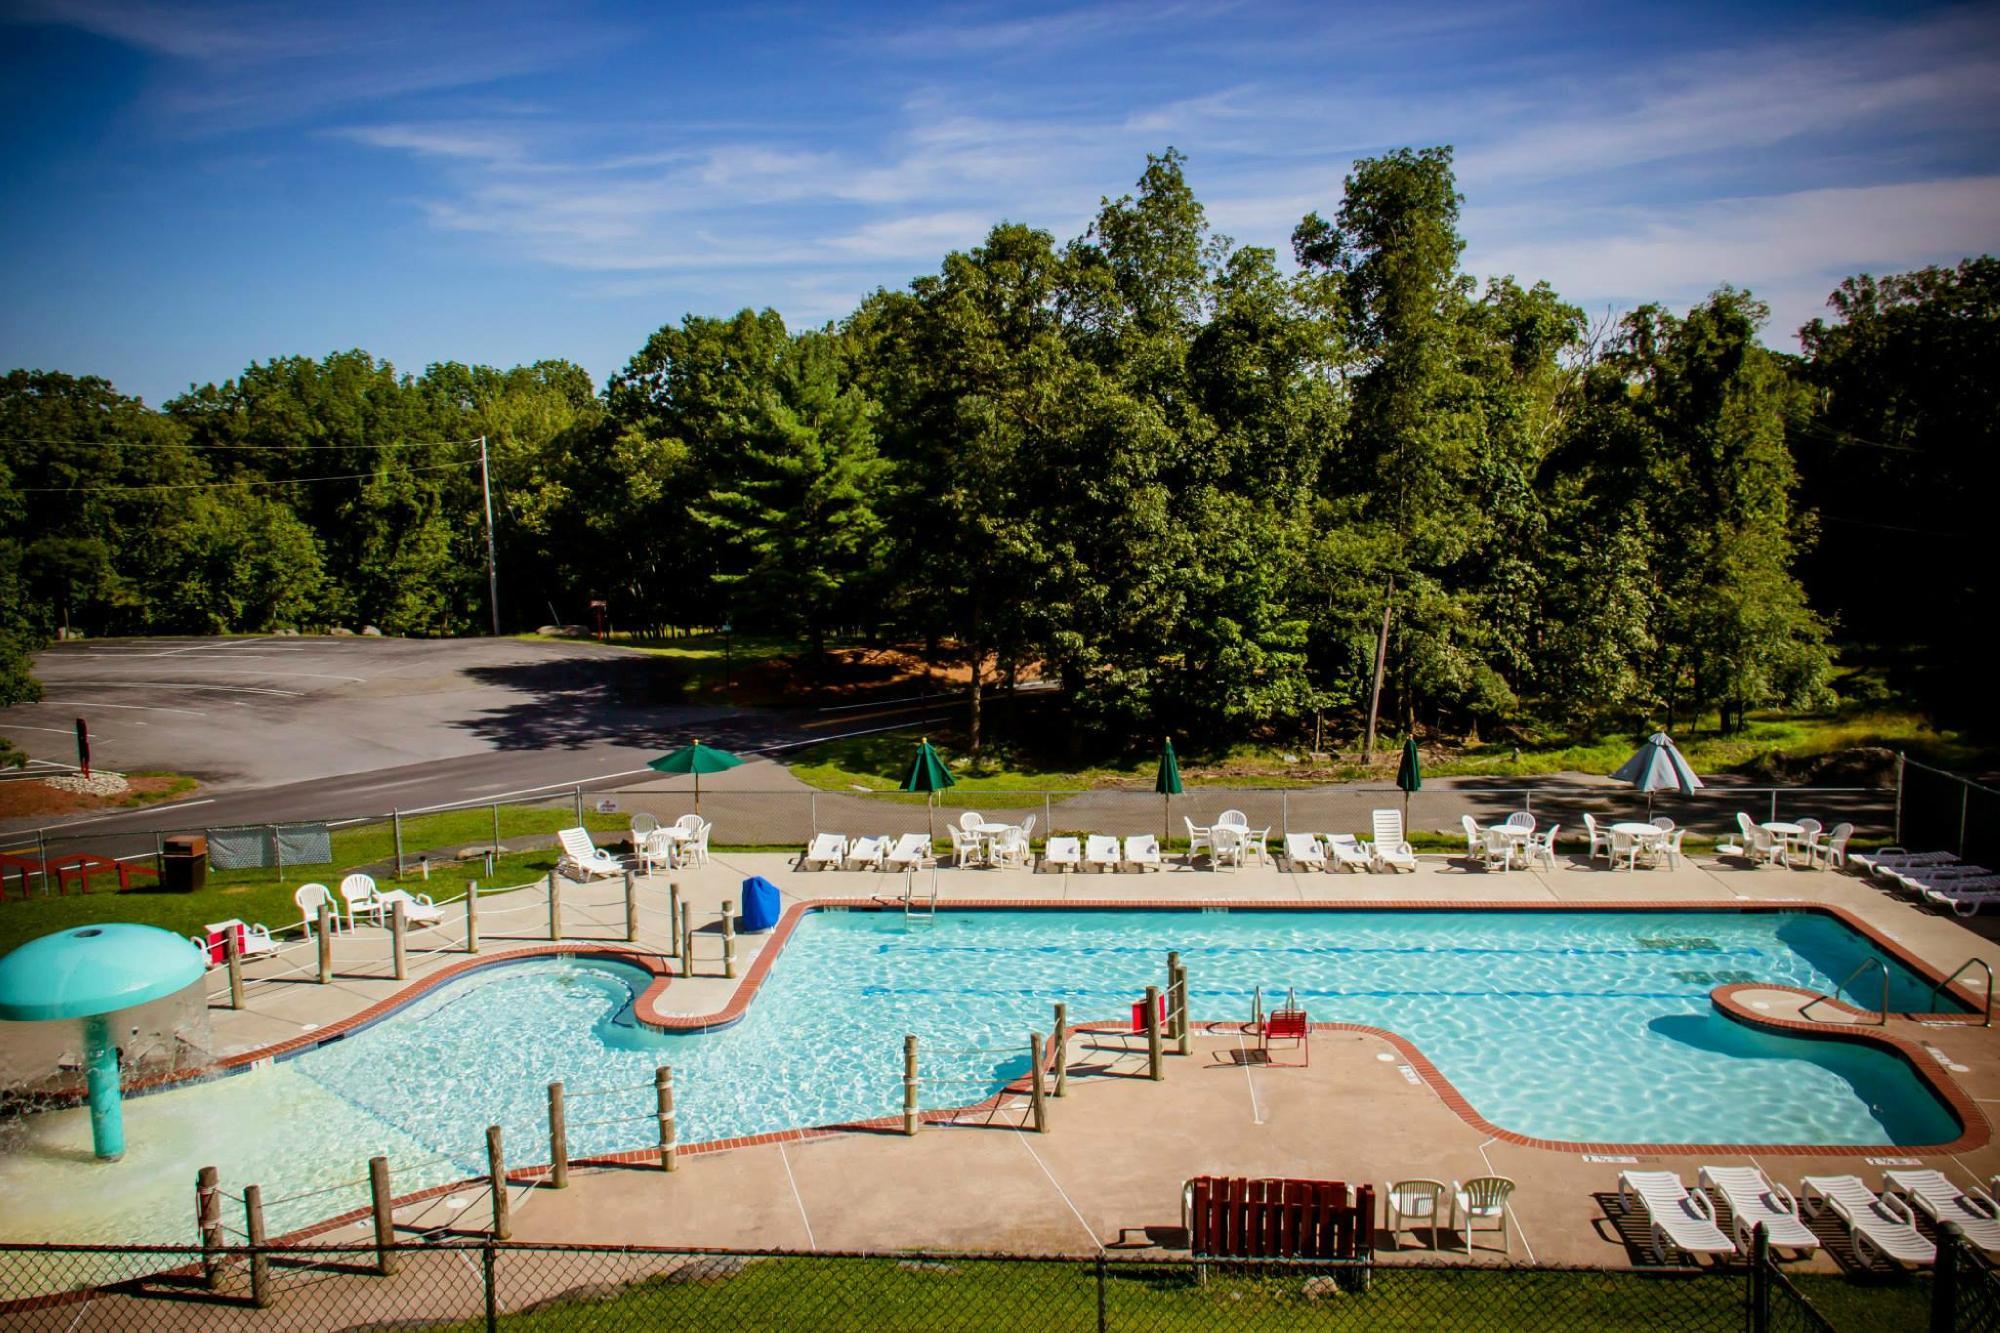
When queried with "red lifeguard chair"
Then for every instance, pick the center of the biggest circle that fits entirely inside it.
(1291, 1023)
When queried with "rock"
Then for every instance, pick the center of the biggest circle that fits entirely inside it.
(100, 783)
(341, 632)
(288, 632)
(563, 632)
(925, 1266)
(370, 632)
(1318, 1288)
(707, 1268)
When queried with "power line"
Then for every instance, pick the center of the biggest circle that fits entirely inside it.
(232, 448)
(213, 485)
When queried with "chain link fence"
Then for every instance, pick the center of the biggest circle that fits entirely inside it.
(483, 1284)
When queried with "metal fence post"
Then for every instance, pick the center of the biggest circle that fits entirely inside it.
(325, 942)
(1944, 1280)
(492, 1290)
(1285, 813)
(1760, 1280)
(396, 821)
(1048, 817)
(277, 852)
(579, 805)
(1964, 803)
(159, 861)
(496, 828)
(815, 815)
(1774, 805)
(1102, 1325)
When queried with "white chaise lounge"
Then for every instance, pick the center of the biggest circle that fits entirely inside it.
(1390, 850)
(1303, 852)
(1101, 850)
(1882, 1228)
(828, 851)
(584, 859)
(1974, 1210)
(1754, 1198)
(1679, 1220)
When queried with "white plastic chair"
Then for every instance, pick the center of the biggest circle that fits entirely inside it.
(828, 851)
(1521, 819)
(1542, 847)
(1475, 838)
(1233, 818)
(643, 826)
(1199, 839)
(971, 820)
(966, 848)
(1600, 839)
(1834, 849)
(309, 897)
(1226, 843)
(1496, 850)
(357, 893)
(1483, 1199)
(1012, 848)
(1413, 1203)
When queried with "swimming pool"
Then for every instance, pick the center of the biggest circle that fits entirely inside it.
(1589, 1026)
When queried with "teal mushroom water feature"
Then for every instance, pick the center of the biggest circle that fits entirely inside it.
(90, 973)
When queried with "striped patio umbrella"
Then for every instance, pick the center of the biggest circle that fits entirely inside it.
(1658, 766)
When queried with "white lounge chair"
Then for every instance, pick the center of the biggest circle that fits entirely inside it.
(1302, 851)
(251, 940)
(828, 851)
(1101, 850)
(357, 894)
(910, 849)
(583, 859)
(1755, 1199)
(1974, 1210)
(1346, 852)
(1390, 851)
(1966, 897)
(1884, 859)
(1064, 853)
(1482, 1199)
(309, 897)
(418, 909)
(1143, 851)
(1680, 1220)
(867, 853)
(1883, 1228)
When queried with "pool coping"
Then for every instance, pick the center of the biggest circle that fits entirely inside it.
(1975, 1128)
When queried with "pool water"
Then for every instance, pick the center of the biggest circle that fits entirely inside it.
(1592, 1026)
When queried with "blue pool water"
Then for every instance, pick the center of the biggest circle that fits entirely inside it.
(1574, 1026)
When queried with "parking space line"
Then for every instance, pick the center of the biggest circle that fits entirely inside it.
(137, 708)
(179, 685)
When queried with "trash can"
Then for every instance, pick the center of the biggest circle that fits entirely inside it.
(183, 862)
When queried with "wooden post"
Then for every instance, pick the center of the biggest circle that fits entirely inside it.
(1037, 1099)
(396, 945)
(728, 939)
(1062, 1050)
(1182, 1029)
(496, 828)
(687, 939)
(673, 916)
(232, 948)
(385, 1220)
(558, 1139)
(325, 943)
(208, 1221)
(472, 917)
(496, 1175)
(910, 1084)
(1155, 1068)
(253, 1231)
(663, 1092)
(555, 906)
(1173, 996)
(631, 909)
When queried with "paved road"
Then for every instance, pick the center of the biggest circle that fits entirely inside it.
(285, 728)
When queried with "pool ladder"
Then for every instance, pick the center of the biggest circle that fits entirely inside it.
(1882, 1019)
(913, 908)
(1983, 966)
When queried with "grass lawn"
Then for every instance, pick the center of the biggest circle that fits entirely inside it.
(920, 1294)
(264, 896)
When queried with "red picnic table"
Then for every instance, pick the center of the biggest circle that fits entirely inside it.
(74, 867)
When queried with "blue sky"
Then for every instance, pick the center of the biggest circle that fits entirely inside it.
(193, 186)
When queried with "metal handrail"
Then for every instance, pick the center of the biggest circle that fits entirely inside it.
(910, 909)
(1984, 966)
(1882, 1020)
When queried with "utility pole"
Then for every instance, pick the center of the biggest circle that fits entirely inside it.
(492, 565)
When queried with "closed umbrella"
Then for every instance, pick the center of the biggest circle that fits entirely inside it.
(1658, 766)
(1410, 777)
(1167, 782)
(696, 759)
(928, 774)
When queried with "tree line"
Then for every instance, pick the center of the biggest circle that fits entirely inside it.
(1208, 491)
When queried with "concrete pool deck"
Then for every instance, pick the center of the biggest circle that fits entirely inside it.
(1109, 1172)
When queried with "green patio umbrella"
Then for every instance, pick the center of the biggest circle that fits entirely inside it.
(1168, 784)
(1410, 777)
(928, 774)
(696, 759)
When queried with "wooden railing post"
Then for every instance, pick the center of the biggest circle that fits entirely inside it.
(496, 1175)
(558, 1139)
(385, 1220)
(253, 1232)
(1037, 1098)
(1182, 1031)
(208, 1221)
(663, 1093)
(673, 918)
(472, 917)
(398, 950)
(1155, 1066)
(687, 939)
(325, 943)
(631, 909)
(910, 1084)
(232, 950)
(728, 938)
(1061, 1056)
(555, 906)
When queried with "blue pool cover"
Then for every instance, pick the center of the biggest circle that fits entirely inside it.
(761, 907)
